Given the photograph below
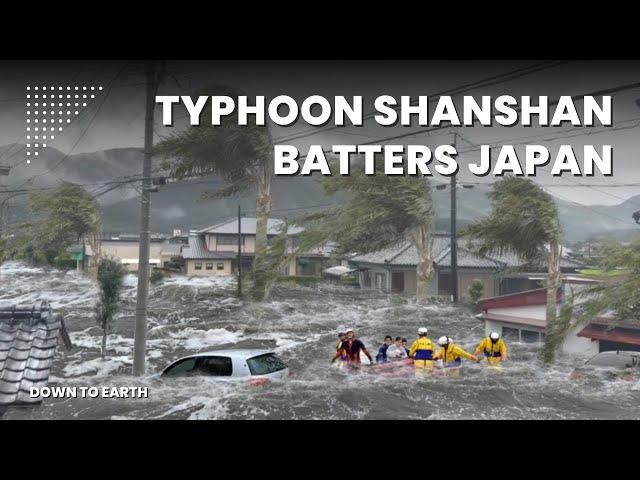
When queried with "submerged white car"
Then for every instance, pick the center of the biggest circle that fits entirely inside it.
(260, 366)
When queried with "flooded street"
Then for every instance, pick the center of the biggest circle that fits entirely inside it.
(300, 323)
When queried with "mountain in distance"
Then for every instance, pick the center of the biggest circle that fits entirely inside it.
(180, 205)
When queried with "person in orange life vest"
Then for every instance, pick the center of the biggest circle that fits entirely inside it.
(494, 349)
(352, 347)
(422, 350)
(451, 354)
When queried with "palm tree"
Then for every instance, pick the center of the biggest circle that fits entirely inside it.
(381, 212)
(242, 155)
(524, 221)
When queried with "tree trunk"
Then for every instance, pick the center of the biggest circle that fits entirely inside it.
(261, 274)
(421, 239)
(96, 254)
(554, 282)
(104, 342)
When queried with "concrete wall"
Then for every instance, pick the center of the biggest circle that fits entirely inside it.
(190, 267)
(128, 251)
(579, 345)
(466, 278)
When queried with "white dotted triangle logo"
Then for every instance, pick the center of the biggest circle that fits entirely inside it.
(50, 109)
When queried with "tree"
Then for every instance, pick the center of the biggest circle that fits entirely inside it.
(110, 279)
(524, 221)
(64, 216)
(475, 290)
(242, 155)
(382, 211)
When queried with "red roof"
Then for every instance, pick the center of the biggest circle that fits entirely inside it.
(520, 299)
(615, 334)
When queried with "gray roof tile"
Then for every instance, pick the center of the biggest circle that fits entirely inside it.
(197, 250)
(248, 226)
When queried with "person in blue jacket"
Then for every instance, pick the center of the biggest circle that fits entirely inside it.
(381, 357)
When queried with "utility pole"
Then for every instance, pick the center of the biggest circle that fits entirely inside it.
(140, 341)
(454, 242)
(239, 252)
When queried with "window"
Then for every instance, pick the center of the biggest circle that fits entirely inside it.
(209, 266)
(229, 239)
(198, 266)
(510, 334)
(615, 359)
(220, 266)
(529, 336)
(215, 366)
(264, 364)
(181, 368)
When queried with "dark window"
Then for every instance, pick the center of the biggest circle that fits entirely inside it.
(209, 266)
(510, 334)
(264, 364)
(215, 366)
(198, 265)
(181, 368)
(220, 266)
(229, 240)
(529, 336)
(607, 346)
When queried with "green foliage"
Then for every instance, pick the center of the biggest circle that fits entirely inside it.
(380, 212)
(64, 261)
(156, 276)
(475, 290)
(523, 220)
(63, 216)
(619, 291)
(110, 279)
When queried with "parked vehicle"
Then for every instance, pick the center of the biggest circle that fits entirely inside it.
(622, 365)
(258, 366)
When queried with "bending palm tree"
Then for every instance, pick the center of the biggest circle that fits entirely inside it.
(524, 221)
(242, 155)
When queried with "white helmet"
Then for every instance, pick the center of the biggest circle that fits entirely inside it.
(494, 336)
(422, 330)
(443, 341)
(348, 330)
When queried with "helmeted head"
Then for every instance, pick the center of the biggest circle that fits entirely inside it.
(444, 341)
(422, 331)
(494, 336)
(350, 333)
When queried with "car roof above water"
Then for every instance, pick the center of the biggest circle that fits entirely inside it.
(240, 353)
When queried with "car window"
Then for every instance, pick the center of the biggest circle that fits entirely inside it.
(181, 367)
(264, 364)
(614, 359)
(215, 366)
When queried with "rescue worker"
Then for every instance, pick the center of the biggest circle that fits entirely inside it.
(422, 350)
(494, 349)
(381, 357)
(451, 354)
(351, 347)
(396, 351)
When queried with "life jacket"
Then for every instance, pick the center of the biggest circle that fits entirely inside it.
(340, 348)
(492, 349)
(451, 355)
(423, 349)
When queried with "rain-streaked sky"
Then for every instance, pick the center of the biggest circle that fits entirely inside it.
(117, 120)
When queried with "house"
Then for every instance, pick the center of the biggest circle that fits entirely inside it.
(394, 269)
(521, 317)
(28, 341)
(214, 250)
(125, 249)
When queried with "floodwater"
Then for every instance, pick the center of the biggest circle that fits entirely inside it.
(300, 323)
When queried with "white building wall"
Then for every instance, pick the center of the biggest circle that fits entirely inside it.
(575, 345)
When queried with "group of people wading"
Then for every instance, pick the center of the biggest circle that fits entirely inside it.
(423, 352)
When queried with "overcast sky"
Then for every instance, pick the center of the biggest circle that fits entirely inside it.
(118, 122)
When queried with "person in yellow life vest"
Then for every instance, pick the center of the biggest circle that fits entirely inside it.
(422, 350)
(494, 349)
(451, 354)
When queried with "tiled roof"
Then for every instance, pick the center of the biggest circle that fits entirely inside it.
(28, 341)
(197, 250)
(173, 248)
(406, 255)
(248, 226)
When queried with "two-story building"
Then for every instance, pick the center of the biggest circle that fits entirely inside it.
(214, 250)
